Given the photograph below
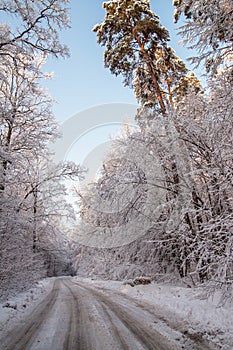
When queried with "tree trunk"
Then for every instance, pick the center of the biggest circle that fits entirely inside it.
(34, 234)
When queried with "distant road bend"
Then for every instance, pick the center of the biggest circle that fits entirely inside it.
(76, 316)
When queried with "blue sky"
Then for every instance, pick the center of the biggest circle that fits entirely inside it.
(81, 81)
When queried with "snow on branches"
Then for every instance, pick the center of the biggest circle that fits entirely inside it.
(208, 29)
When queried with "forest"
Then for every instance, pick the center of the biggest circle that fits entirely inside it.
(162, 204)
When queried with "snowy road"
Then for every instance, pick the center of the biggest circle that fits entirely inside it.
(76, 316)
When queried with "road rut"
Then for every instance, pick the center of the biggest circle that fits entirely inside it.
(75, 316)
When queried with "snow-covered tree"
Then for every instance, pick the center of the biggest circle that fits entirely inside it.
(32, 26)
(167, 186)
(208, 29)
(207, 133)
(170, 70)
(32, 194)
(182, 225)
(27, 123)
(187, 84)
(31, 187)
(136, 47)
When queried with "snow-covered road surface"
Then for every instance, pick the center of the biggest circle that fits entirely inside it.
(76, 316)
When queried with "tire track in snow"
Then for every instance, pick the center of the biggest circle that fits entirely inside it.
(74, 337)
(186, 342)
(139, 329)
(74, 316)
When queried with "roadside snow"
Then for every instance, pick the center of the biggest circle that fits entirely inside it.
(16, 308)
(186, 309)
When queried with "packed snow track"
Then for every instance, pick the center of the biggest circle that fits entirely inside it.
(76, 316)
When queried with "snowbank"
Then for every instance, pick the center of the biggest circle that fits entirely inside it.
(16, 308)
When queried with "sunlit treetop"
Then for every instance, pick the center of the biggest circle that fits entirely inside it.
(136, 44)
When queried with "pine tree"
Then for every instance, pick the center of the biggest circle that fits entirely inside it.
(136, 47)
(170, 72)
(187, 84)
